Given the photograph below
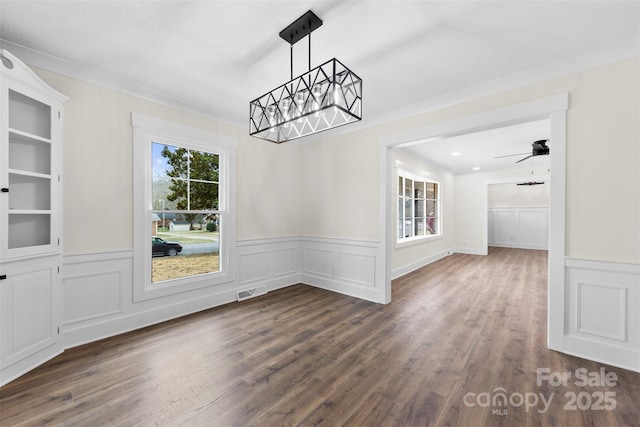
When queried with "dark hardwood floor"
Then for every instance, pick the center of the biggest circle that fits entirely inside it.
(457, 332)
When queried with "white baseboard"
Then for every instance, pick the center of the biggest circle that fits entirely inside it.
(518, 246)
(406, 269)
(470, 251)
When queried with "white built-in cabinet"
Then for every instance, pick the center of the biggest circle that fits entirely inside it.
(30, 218)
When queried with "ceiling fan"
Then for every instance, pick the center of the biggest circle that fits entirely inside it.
(539, 148)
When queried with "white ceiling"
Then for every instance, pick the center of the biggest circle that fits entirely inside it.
(213, 57)
(463, 153)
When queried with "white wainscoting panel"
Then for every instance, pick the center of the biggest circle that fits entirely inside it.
(98, 298)
(93, 295)
(518, 227)
(349, 267)
(254, 266)
(356, 268)
(285, 261)
(603, 312)
(609, 302)
(319, 262)
(98, 287)
(274, 262)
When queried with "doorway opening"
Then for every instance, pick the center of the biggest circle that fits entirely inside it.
(552, 109)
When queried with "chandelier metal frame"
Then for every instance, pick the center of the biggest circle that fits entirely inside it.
(323, 98)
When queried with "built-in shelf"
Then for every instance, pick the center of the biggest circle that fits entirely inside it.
(29, 174)
(28, 135)
(30, 218)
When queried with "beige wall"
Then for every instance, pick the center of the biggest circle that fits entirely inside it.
(330, 187)
(340, 182)
(98, 170)
(603, 160)
(268, 189)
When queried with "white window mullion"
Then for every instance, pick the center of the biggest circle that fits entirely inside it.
(415, 225)
(146, 131)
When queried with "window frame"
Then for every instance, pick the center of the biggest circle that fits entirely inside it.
(400, 240)
(146, 131)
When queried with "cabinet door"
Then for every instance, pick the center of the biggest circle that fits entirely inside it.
(29, 315)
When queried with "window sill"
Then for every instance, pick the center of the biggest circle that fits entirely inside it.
(182, 285)
(417, 241)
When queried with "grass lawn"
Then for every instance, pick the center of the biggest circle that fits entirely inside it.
(174, 267)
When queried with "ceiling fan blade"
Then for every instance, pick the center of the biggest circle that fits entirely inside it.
(511, 155)
(522, 160)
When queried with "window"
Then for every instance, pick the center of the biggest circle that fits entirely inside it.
(185, 217)
(418, 207)
(182, 203)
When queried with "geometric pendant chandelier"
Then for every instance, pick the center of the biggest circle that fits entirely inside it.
(328, 96)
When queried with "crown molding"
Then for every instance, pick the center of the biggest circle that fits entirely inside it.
(66, 68)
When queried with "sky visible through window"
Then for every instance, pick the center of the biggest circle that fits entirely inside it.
(160, 164)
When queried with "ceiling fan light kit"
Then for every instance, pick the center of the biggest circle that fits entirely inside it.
(531, 183)
(323, 98)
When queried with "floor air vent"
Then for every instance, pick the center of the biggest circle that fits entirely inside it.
(250, 293)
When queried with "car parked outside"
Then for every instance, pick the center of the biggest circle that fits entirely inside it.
(160, 247)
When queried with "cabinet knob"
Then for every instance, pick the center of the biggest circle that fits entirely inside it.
(3, 277)
(5, 190)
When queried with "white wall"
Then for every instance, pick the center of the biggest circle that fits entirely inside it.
(471, 200)
(518, 227)
(518, 215)
(510, 195)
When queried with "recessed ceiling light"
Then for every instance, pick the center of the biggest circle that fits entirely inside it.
(455, 153)
(476, 168)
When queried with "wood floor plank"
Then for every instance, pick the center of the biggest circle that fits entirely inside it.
(457, 332)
